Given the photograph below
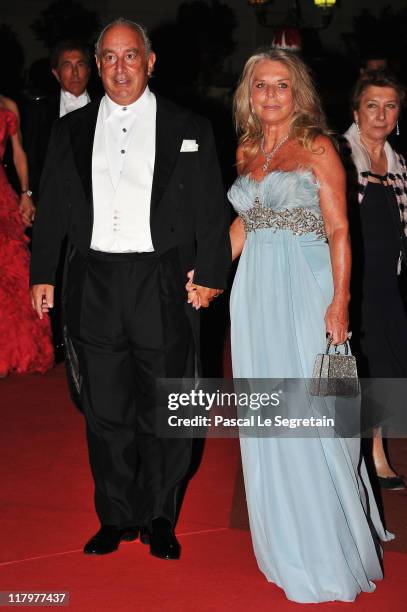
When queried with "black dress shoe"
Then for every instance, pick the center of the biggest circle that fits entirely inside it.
(163, 543)
(108, 538)
(393, 483)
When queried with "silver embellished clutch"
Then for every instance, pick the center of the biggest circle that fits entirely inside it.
(335, 373)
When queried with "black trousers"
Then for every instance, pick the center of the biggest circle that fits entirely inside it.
(126, 316)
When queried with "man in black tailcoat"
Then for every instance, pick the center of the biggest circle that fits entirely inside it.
(134, 182)
(70, 64)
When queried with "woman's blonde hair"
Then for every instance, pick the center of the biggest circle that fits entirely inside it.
(308, 119)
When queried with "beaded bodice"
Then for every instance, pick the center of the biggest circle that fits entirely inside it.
(282, 200)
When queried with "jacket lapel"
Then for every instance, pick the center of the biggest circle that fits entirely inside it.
(53, 107)
(170, 129)
(82, 128)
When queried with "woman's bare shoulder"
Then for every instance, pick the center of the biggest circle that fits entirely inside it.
(325, 160)
(323, 145)
(9, 104)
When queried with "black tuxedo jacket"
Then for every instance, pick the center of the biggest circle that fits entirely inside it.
(39, 117)
(189, 209)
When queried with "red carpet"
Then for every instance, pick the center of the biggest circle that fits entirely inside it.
(47, 514)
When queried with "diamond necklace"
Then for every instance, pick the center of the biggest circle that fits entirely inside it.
(268, 156)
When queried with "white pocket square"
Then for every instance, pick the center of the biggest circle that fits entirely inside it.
(189, 146)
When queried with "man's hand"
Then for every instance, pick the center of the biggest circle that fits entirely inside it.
(193, 297)
(198, 295)
(206, 295)
(42, 298)
(27, 210)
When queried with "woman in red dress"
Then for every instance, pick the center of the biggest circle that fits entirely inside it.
(25, 341)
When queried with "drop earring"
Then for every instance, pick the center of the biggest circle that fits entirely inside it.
(357, 126)
(397, 129)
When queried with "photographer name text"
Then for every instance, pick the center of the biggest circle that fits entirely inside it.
(253, 420)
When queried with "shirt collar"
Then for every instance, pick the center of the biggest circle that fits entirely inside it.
(361, 157)
(70, 96)
(137, 107)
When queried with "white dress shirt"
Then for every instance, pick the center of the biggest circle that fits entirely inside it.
(68, 102)
(122, 175)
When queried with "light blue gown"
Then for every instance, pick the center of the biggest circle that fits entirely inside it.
(313, 519)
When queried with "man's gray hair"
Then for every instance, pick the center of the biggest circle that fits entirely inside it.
(121, 21)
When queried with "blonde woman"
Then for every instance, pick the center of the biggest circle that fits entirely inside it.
(312, 528)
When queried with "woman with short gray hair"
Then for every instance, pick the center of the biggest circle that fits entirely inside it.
(377, 203)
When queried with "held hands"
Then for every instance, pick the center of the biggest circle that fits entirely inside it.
(27, 210)
(199, 296)
(336, 321)
(42, 298)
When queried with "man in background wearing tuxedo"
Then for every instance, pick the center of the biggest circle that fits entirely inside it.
(70, 64)
(134, 182)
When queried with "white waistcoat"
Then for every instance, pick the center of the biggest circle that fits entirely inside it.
(122, 176)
